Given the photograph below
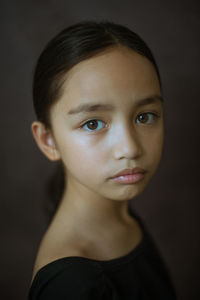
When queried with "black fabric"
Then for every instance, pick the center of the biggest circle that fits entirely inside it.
(140, 274)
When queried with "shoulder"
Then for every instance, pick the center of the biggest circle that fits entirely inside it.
(47, 257)
(64, 278)
(54, 246)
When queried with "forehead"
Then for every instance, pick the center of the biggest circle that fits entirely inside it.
(116, 75)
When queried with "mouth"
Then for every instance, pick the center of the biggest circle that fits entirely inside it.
(130, 172)
(129, 175)
(129, 178)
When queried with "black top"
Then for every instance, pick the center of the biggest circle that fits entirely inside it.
(140, 274)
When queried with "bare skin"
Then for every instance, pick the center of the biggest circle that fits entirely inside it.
(92, 219)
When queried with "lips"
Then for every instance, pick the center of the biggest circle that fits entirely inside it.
(129, 172)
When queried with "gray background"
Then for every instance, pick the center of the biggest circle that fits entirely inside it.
(170, 204)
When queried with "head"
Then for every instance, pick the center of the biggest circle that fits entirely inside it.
(97, 98)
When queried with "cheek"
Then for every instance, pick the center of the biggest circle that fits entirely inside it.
(82, 158)
(154, 145)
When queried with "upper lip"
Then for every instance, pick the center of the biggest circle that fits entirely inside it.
(129, 172)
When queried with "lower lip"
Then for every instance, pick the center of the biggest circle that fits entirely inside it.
(129, 178)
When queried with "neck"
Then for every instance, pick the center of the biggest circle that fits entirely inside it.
(88, 211)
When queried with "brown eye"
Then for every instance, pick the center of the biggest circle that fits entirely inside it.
(93, 125)
(144, 117)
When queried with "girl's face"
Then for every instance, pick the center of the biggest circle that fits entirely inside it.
(101, 127)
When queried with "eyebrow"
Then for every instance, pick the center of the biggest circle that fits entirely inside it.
(88, 107)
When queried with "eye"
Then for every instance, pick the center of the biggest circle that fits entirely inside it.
(93, 125)
(143, 118)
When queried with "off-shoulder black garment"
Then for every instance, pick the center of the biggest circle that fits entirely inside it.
(139, 275)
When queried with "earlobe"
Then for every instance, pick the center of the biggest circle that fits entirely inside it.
(45, 141)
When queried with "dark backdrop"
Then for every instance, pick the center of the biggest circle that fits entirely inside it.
(170, 204)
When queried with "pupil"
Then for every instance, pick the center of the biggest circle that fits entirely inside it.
(142, 118)
(91, 123)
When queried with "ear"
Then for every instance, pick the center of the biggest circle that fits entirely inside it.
(45, 140)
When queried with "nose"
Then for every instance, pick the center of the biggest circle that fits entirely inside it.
(126, 143)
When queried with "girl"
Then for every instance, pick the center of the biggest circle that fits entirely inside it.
(97, 97)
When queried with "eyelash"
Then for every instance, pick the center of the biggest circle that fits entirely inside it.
(146, 113)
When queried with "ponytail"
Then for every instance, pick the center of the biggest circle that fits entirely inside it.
(55, 187)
